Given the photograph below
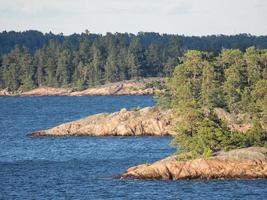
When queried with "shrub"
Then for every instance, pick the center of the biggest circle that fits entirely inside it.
(210, 136)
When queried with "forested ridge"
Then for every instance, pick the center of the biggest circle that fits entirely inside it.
(234, 81)
(32, 59)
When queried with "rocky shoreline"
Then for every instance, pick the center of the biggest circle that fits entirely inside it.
(119, 88)
(149, 121)
(247, 163)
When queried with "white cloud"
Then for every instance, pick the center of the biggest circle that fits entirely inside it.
(192, 17)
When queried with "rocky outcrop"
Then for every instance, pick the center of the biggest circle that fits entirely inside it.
(120, 88)
(249, 163)
(146, 121)
(6, 92)
(140, 122)
(130, 87)
(47, 91)
(235, 122)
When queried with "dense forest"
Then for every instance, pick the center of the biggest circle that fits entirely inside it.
(235, 81)
(32, 59)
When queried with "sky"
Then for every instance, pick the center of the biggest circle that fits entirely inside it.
(187, 17)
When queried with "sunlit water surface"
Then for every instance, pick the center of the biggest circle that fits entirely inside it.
(84, 167)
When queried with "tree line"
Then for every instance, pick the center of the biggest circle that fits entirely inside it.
(31, 59)
(235, 81)
(88, 63)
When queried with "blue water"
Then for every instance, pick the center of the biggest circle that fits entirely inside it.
(84, 167)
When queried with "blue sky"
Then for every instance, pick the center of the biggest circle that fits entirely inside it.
(188, 17)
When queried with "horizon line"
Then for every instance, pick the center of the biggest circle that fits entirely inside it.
(134, 33)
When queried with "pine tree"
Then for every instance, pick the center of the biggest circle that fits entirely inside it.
(135, 58)
(27, 71)
(252, 58)
(64, 68)
(111, 67)
(97, 67)
(210, 89)
(12, 69)
(154, 61)
(234, 69)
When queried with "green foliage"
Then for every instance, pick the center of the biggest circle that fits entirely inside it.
(252, 59)
(156, 84)
(210, 136)
(163, 98)
(234, 81)
(34, 40)
(210, 87)
(206, 135)
(85, 60)
(207, 153)
(256, 136)
(18, 70)
(259, 95)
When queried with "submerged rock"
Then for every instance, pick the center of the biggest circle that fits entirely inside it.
(139, 122)
(247, 163)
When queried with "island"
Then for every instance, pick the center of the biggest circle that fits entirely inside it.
(219, 104)
(214, 107)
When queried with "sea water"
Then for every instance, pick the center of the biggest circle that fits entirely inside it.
(84, 167)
